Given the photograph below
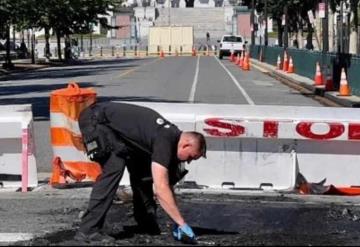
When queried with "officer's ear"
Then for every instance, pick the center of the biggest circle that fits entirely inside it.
(186, 145)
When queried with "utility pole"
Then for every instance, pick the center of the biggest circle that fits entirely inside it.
(252, 22)
(32, 46)
(266, 25)
(325, 26)
(90, 48)
(286, 37)
(169, 5)
(341, 36)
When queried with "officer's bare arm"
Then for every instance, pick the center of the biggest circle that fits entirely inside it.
(164, 193)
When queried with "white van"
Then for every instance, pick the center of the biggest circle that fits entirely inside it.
(231, 43)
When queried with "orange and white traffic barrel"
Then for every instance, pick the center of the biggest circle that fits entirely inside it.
(70, 162)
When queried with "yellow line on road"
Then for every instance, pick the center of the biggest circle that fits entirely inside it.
(134, 69)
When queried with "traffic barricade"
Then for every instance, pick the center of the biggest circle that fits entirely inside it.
(17, 156)
(264, 147)
(70, 164)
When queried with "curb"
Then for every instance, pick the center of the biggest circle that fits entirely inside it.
(346, 101)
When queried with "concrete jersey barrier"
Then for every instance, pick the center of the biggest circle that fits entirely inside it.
(265, 146)
(17, 156)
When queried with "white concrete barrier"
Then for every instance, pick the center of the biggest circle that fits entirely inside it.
(17, 158)
(264, 146)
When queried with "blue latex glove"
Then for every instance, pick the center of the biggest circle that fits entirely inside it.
(184, 233)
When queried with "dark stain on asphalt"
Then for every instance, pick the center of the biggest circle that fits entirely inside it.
(232, 220)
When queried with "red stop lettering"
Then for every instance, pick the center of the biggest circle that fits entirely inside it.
(354, 131)
(271, 129)
(335, 130)
(226, 129)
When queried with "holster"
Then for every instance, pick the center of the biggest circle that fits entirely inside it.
(99, 139)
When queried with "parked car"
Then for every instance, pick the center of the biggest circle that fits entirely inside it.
(231, 43)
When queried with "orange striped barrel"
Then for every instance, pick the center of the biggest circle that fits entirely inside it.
(65, 107)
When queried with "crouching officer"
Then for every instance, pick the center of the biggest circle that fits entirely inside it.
(119, 135)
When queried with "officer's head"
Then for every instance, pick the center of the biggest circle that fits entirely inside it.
(191, 146)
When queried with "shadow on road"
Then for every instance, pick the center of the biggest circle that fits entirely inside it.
(41, 105)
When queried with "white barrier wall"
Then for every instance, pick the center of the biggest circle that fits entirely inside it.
(17, 159)
(264, 146)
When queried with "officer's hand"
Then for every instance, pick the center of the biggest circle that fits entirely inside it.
(184, 233)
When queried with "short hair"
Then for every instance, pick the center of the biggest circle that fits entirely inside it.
(200, 140)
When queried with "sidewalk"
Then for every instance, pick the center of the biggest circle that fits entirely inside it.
(22, 65)
(26, 65)
(345, 101)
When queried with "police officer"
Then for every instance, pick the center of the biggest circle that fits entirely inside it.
(119, 135)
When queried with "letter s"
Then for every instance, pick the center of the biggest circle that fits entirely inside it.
(220, 125)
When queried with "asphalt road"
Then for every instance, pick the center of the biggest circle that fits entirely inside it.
(172, 79)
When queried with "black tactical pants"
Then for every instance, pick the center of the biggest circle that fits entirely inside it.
(113, 165)
(143, 195)
(102, 194)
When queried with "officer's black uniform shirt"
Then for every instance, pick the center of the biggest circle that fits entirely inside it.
(147, 129)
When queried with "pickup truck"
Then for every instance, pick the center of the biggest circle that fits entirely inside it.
(231, 43)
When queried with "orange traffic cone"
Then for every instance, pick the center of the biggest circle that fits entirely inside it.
(241, 62)
(329, 86)
(246, 65)
(162, 55)
(286, 62)
(248, 59)
(231, 58)
(291, 66)
(318, 76)
(344, 86)
(193, 52)
(237, 61)
(278, 64)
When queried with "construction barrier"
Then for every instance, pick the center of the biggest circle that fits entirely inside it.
(70, 164)
(174, 37)
(266, 146)
(17, 156)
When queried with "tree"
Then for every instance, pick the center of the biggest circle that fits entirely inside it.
(64, 17)
(8, 16)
